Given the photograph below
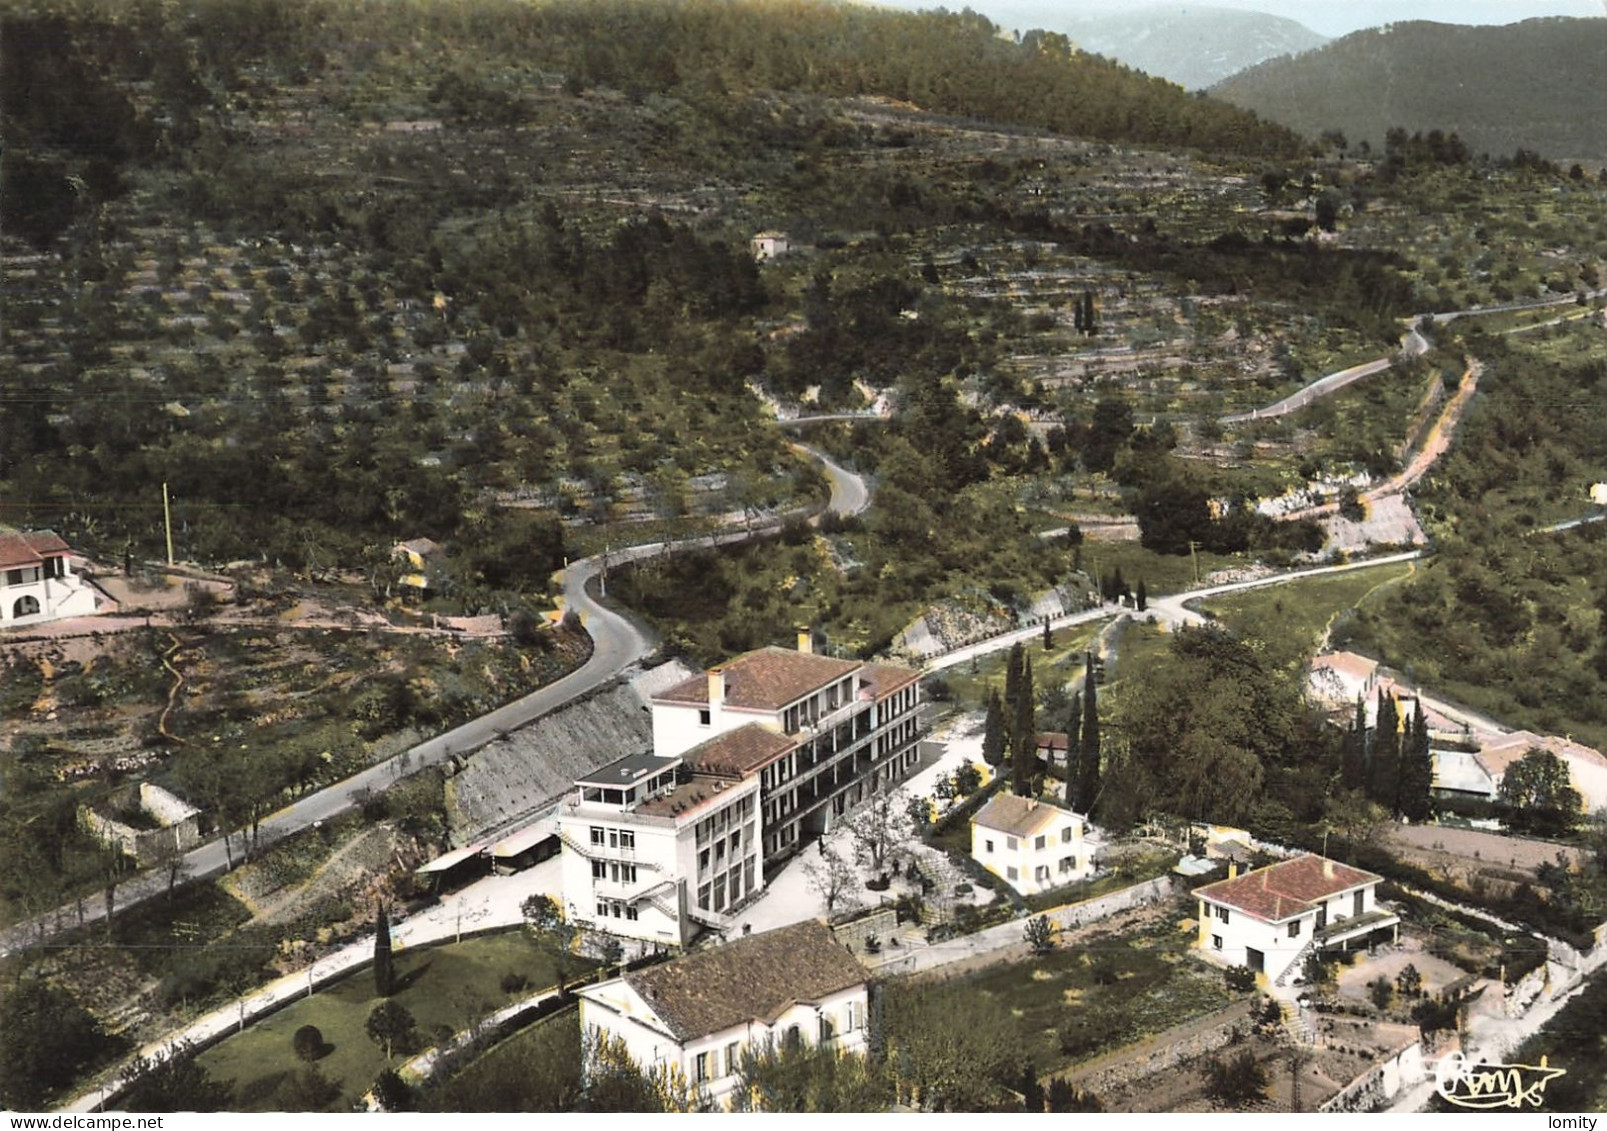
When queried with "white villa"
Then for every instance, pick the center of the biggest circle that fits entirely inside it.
(1269, 919)
(1030, 844)
(769, 245)
(695, 1016)
(37, 582)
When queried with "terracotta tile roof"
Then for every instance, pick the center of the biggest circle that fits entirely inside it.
(752, 978)
(740, 752)
(884, 679)
(28, 548)
(1053, 740)
(1286, 889)
(1019, 816)
(766, 680)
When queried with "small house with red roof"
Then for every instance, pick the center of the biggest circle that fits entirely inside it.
(37, 582)
(1271, 918)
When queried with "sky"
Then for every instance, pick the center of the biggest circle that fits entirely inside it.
(1330, 17)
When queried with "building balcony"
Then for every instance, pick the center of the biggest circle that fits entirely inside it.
(1355, 927)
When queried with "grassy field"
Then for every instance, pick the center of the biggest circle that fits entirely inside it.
(1294, 618)
(444, 988)
(1074, 1003)
(1063, 662)
(536, 1069)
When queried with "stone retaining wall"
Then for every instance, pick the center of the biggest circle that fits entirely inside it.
(1163, 1051)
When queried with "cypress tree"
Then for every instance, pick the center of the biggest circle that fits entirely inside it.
(1048, 636)
(1417, 770)
(1383, 770)
(1353, 770)
(993, 738)
(1088, 752)
(1012, 688)
(1073, 752)
(384, 972)
(1024, 760)
(1143, 596)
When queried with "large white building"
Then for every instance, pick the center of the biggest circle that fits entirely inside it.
(37, 582)
(1269, 919)
(694, 1017)
(845, 728)
(750, 760)
(1031, 845)
(653, 849)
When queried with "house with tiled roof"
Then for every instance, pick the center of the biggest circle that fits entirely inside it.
(37, 582)
(1031, 845)
(695, 1016)
(1271, 918)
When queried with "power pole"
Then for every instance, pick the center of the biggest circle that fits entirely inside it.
(167, 522)
(1194, 557)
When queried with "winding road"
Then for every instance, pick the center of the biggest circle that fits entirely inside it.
(617, 643)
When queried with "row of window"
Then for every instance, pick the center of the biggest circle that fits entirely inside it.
(613, 908)
(613, 871)
(1294, 927)
(1039, 843)
(715, 824)
(1041, 872)
(715, 1063)
(715, 855)
(726, 889)
(612, 838)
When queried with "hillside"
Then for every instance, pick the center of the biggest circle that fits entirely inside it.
(1535, 85)
(1193, 47)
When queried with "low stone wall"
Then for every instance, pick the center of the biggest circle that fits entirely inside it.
(1102, 907)
(881, 923)
(179, 827)
(1381, 1083)
(1163, 1051)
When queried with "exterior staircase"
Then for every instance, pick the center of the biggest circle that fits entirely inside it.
(1298, 1023)
(1298, 964)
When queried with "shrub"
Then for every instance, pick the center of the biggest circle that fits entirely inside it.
(1240, 979)
(513, 982)
(308, 1043)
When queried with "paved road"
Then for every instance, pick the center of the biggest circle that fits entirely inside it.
(1173, 610)
(827, 417)
(617, 643)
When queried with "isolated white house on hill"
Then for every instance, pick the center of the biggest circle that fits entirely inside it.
(37, 582)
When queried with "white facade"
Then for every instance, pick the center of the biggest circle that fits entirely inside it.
(1030, 845)
(37, 582)
(768, 245)
(1269, 919)
(655, 867)
(710, 1063)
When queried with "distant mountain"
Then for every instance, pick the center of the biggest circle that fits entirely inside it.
(1537, 85)
(1193, 47)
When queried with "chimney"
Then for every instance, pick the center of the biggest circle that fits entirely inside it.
(1032, 803)
(1327, 868)
(716, 694)
(1233, 869)
(806, 641)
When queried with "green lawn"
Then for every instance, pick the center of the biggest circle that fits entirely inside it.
(443, 987)
(536, 1069)
(1292, 618)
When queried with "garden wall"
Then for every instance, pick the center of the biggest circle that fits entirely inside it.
(1163, 1051)
(1381, 1083)
(1104, 906)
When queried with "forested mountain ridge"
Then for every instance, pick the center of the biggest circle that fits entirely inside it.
(1534, 85)
(397, 248)
(1195, 47)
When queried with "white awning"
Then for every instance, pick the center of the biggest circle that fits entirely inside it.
(451, 859)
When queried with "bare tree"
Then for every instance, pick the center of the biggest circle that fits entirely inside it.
(831, 878)
(880, 827)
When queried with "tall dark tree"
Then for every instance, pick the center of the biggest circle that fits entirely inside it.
(1074, 753)
(1012, 688)
(1024, 748)
(1048, 636)
(384, 970)
(1417, 769)
(1383, 769)
(993, 731)
(1143, 596)
(1088, 754)
(1353, 768)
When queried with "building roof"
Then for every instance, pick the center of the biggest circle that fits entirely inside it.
(29, 547)
(740, 752)
(884, 679)
(1053, 740)
(1019, 816)
(622, 773)
(752, 978)
(765, 680)
(1286, 889)
(424, 547)
(690, 797)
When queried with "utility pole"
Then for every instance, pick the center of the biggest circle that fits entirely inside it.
(1194, 557)
(167, 522)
